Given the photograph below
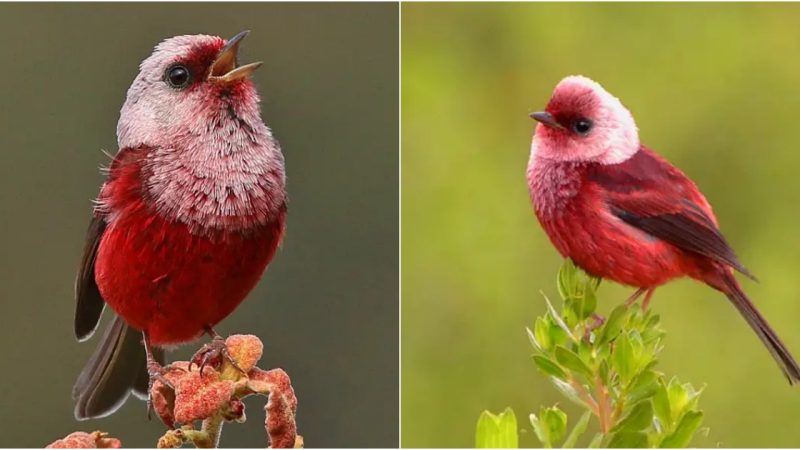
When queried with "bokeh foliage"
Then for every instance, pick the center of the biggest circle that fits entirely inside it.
(713, 87)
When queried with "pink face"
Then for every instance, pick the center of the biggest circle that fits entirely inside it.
(583, 122)
(186, 82)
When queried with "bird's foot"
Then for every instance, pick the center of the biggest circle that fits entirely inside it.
(213, 354)
(157, 372)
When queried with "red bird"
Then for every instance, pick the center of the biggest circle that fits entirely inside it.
(190, 215)
(622, 212)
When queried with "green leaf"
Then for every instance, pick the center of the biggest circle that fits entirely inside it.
(603, 371)
(652, 327)
(548, 367)
(613, 324)
(567, 390)
(596, 441)
(643, 386)
(585, 351)
(578, 430)
(558, 320)
(550, 426)
(628, 439)
(685, 431)
(567, 277)
(639, 418)
(637, 345)
(678, 397)
(571, 361)
(622, 358)
(532, 339)
(497, 431)
(588, 303)
(541, 334)
(694, 395)
(556, 421)
(661, 406)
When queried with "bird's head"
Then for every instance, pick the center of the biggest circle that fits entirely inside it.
(188, 84)
(584, 123)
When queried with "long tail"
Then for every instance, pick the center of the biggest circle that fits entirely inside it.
(771, 340)
(116, 368)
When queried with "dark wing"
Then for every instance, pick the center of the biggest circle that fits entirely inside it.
(649, 193)
(89, 302)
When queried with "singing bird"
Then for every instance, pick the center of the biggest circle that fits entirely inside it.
(192, 211)
(622, 212)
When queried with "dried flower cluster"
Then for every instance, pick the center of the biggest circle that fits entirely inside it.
(213, 397)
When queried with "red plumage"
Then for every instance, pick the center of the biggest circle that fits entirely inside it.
(164, 279)
(588, 225)
(624, 213)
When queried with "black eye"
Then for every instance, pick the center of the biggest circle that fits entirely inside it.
(177, 76)
(582, 126)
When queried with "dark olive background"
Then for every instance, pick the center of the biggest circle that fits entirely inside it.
(327, 307)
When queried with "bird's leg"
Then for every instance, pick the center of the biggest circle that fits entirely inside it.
(647, 297)
(155, 372)
(632, 299)
(214, 350)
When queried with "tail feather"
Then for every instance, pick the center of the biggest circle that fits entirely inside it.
(117, 367)
(767, 335)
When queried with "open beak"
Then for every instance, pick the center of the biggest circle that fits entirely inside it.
(547, 119)
(224, 68)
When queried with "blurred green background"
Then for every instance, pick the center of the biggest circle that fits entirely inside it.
(327, 307)
(713, 87)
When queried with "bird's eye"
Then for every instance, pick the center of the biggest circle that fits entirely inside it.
(582, 126)
(177, 76)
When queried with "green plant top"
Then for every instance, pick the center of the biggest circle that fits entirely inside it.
(608, 367)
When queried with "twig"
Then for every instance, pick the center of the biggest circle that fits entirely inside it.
(212, 426)
(585, 396)
(603, 405)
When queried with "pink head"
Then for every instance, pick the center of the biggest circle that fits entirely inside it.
(213, 163)
(584, 123)
(187, 81)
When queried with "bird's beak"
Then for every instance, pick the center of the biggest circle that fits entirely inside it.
(224, 69)
(547, 119)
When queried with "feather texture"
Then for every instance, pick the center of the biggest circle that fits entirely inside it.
(652, 195)
(89, 303)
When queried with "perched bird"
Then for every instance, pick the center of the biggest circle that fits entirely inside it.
(190, 215)
(622, 212)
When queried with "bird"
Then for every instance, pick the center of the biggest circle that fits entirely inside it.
(191, 212)
(622, 212)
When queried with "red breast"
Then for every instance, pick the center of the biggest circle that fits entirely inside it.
(166, 279)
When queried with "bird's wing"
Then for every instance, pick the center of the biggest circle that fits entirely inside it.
(649, 193)
(88, 301)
